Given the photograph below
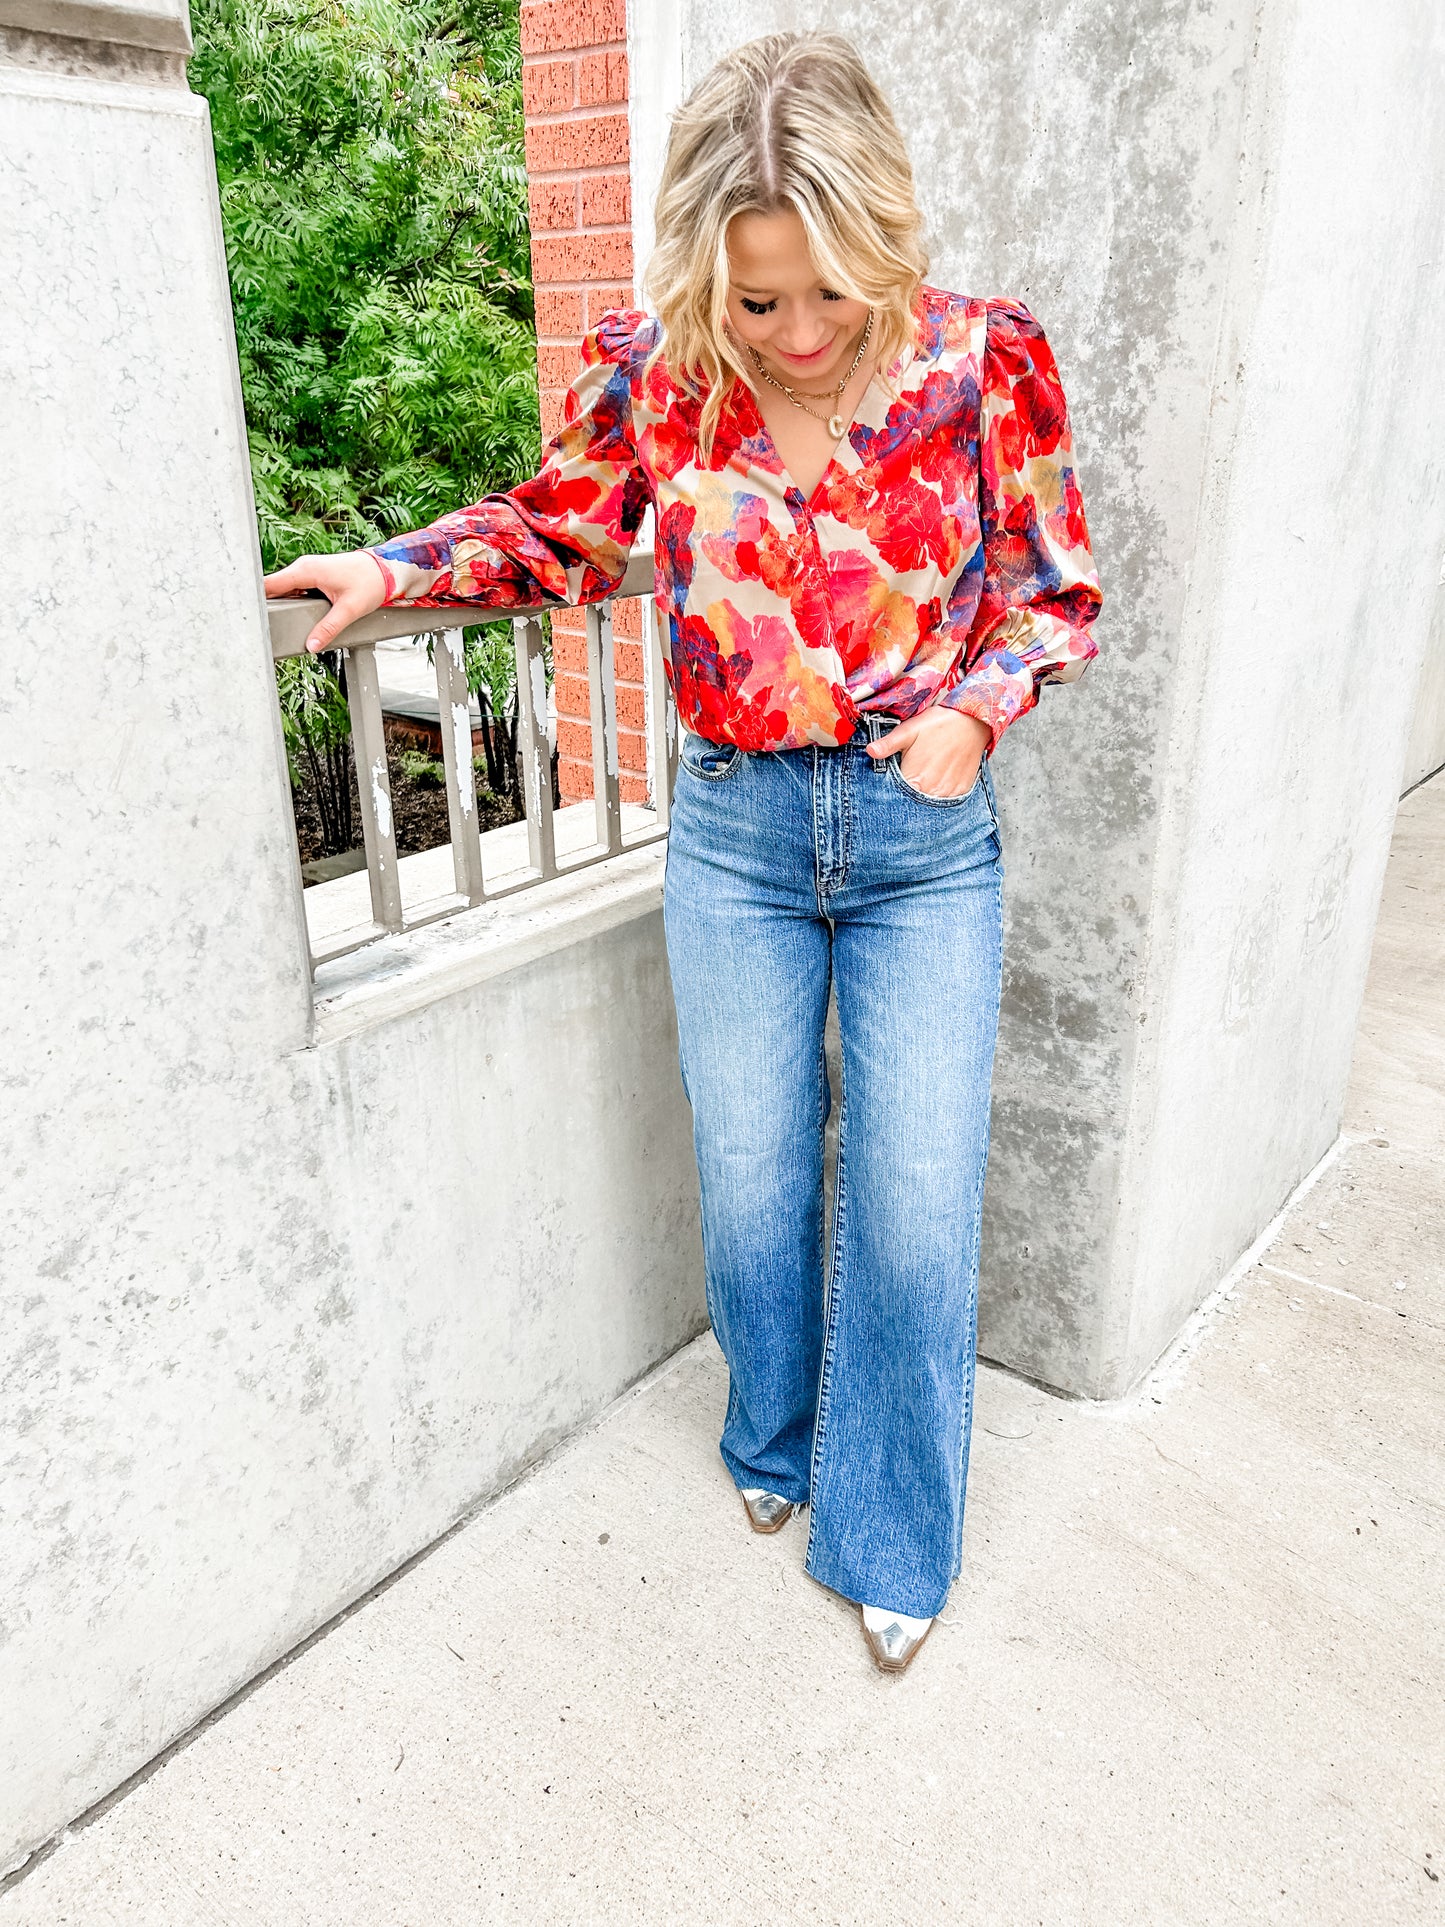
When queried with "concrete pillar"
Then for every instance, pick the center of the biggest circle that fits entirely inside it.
(1228, 220)
(149, 855)
(1426, 752)
(281, 1300)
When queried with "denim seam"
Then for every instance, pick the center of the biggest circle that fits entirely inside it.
(848, 804)
(822, 1202)
(986, 778)
(830, 1314)
(817, 838)
(730, 1411)
(965, 1430)
(976, 1242)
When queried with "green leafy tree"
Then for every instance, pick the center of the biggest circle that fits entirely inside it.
(374, 204)
(316, 724)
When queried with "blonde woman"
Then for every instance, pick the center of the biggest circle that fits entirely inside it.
(871, 552)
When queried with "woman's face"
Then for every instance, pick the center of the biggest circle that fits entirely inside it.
(807, 333)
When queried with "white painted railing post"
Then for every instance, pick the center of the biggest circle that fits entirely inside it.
(602, 684)
(373, 784)
(454, 713)
(532, 744)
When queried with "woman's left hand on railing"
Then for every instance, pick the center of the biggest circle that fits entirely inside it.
(356, 583)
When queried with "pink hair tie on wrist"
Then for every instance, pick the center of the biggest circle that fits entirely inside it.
(386, 575)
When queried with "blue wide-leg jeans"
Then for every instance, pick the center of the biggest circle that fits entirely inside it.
(851, 1368)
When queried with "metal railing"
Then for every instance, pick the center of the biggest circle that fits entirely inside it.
(292, 620)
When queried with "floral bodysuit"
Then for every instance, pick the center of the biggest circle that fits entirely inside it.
(943, 557)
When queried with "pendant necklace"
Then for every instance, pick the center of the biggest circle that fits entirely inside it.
(835, 421)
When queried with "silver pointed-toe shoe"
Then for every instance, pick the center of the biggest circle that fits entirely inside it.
(892, 1644)
(767, 1511)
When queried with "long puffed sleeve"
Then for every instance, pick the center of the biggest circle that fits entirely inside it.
(566, 535)
(1040, 588)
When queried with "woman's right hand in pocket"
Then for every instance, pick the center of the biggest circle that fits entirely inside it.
(354, 583)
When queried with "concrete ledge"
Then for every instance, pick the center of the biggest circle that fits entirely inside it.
(165, 27)
(105, 60)
(402, 974)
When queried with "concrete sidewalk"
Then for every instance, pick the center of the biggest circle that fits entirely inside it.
(1192, 1672)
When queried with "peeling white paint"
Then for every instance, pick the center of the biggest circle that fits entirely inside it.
(462, 752)
(381, 796)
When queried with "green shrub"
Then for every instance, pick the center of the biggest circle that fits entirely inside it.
(374, 202)
(316, 724)
(423, 770)
(492, 677)
(374, 206)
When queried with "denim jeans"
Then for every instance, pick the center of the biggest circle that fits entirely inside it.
(850, 1370)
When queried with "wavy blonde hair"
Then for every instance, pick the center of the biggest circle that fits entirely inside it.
(791, 121)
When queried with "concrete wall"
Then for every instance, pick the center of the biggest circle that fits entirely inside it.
(1209, 209)
(1426, 750)
(283, 1297)
(1310, 596)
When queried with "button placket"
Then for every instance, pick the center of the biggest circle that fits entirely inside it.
(796, 504)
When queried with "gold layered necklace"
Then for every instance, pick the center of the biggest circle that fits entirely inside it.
(835, 421)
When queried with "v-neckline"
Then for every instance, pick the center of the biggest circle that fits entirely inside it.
(784, 473)
(896, 367)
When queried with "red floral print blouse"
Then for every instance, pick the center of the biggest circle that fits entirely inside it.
(943, 557)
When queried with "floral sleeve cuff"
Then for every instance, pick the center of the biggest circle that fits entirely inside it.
(387, 578)
(998, 690)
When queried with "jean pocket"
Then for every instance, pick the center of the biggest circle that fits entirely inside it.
(893, 765)
(713, 762)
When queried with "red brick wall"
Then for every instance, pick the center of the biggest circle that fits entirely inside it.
(574, 85)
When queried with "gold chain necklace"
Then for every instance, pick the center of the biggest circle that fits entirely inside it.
(835, 421)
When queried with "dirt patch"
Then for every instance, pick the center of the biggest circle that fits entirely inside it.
(419, 811)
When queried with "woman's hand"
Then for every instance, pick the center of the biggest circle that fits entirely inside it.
(941, 750)
(355, 584)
